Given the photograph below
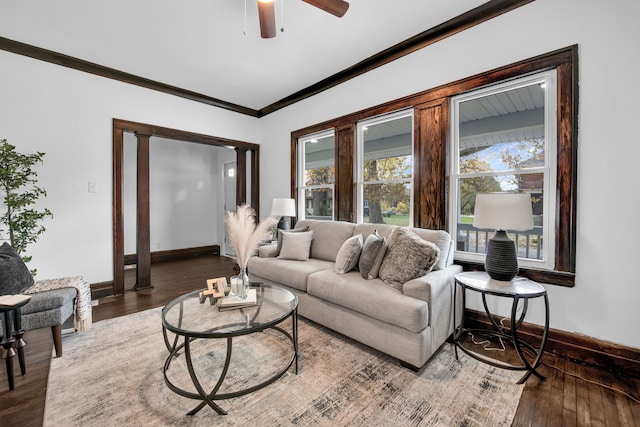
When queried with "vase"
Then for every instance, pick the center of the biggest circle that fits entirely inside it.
(243, 284)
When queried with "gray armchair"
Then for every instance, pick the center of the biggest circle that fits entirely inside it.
(49, 309)
(52, 302)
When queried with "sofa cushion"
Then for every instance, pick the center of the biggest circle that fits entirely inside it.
(442, 240)
(281, 233)
(296, 246)
(288, 272)
(49, 300)
(372, 246)
(14, 274)
(370, 297)
(349, 254)
(408, 257)
(328, 237)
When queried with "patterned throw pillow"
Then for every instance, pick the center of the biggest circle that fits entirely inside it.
(296, 246)
(14, 274)
(349, 254)
(373, 245)
(408, 257)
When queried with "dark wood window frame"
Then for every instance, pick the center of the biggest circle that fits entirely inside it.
(143, 133)
(431, 128)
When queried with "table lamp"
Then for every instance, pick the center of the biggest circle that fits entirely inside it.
(501, 212)
(285, 208)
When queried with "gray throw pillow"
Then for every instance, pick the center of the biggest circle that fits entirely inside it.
(296, 246)
(372, 246)
(281, 232)
(408, 257)
(14, 274)
(349, 254)
(375, 268)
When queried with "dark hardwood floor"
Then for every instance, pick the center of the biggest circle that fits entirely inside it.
(573, 395)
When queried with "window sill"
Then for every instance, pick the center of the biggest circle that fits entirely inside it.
(559, 278)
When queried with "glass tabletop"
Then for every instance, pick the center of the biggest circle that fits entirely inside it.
(186, 316)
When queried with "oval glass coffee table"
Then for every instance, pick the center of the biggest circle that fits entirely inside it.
(191, 320)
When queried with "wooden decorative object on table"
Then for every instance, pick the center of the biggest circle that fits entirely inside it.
(215, 289)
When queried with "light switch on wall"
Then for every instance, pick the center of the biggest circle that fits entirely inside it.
(93, 187)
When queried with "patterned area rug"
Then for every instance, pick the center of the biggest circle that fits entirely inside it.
(112, 375)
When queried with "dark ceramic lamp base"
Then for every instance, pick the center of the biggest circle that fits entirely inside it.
(502, 261)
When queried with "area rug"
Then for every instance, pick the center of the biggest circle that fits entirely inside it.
(112, 376)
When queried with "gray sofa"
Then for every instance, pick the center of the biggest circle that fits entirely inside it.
(410, 324)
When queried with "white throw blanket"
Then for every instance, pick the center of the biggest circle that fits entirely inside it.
(82, 310)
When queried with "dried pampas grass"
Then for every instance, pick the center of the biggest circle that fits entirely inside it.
(243, 233)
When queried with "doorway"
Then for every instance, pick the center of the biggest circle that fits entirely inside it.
(143, 132)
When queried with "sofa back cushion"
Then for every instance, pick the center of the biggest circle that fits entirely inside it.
(442, 240)
(328, 237)
(384, 230)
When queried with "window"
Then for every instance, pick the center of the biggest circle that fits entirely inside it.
(528, 147)
(316, 166)
(504, 139)
(385, 169)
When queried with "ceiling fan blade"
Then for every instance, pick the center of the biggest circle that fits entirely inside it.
(335, 7)
(267, 16)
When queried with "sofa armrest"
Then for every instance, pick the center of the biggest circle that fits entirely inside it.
(431, 287)
(267, 251)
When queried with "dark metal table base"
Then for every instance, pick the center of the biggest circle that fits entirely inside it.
(210, 398)
(499, 331)
(12, 343)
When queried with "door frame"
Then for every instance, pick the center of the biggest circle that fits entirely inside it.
(226, 249)
(144, 132)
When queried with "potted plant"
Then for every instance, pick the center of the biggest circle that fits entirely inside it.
(21, 222)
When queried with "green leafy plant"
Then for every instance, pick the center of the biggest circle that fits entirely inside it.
(21, 222)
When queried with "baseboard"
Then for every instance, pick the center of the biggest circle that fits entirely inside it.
(576, 347)
(105, 289)
(101, 289)
(176, 254)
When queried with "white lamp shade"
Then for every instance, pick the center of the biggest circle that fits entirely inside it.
(283, 207)
(503, 211)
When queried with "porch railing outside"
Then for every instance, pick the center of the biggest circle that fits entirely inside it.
(529, 243)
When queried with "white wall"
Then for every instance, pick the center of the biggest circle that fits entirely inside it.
(68, 115)
(183, 194)
(603, 304)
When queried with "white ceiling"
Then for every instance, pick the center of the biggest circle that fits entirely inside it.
(199, 45)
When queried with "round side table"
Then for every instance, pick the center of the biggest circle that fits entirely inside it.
(517, 289)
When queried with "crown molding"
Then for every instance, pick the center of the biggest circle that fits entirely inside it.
(478, 15)
(111, 73)
(471, 18)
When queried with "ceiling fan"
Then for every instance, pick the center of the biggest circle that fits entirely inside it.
(266, 13)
